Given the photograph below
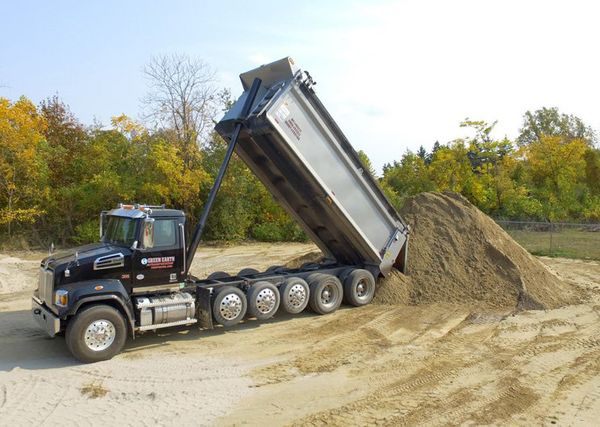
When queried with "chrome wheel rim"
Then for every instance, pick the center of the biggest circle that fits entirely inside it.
(297, 296)
(265, 301)
(231, 306)
(99, 335)
(362, 289)
(328, 295)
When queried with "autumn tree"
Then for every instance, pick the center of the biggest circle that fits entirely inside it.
(366, 162)
(66, 141)
(550, 122)
(557, 171)
(22, 167)
(409, 176)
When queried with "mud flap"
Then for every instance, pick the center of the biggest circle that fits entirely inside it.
(401, 262)
(203, 302)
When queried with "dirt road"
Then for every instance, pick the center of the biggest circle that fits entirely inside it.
(430, 364)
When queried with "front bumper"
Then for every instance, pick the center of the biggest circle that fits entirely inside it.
(45, 318)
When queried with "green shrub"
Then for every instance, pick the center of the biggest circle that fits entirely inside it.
(86, 233)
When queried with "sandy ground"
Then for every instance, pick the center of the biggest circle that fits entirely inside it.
(430, 364)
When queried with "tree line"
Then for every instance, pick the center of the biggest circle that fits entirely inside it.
(57, 174)
(551, 172)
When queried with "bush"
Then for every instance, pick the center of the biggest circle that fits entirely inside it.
(268, 232)
(278, 232)
(86, 233)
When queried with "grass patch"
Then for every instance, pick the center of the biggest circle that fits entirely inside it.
(568, 243)
(93, 390)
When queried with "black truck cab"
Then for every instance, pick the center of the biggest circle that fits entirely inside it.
(141, 248)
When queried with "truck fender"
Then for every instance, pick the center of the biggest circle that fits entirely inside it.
(110, 291)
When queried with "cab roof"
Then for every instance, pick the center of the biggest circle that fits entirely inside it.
(141, 212)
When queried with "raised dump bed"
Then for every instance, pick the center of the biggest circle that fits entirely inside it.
(293, 145)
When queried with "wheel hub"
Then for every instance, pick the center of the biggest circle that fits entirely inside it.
(361, 289)
(231, 306)
(265, 301)
(326, 295)
(100, 335)
(297, 295)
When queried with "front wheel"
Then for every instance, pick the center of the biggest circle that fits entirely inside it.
(96, 333)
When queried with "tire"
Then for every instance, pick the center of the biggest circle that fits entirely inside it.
(263, 300)
(309, 266)
(345, 273)
(326, 294)
(96, 333)
(294, 294)
(359, 287)
(247, 272)
(218, 275)
(274, 269)
(312, 277)
(229, 306)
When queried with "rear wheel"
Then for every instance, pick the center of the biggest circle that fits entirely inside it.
(326, 293)
(294, 295)
(218, 275)
(263, 300)
(312, 277)
(96, 333)
(247, 272)
(229, 306)
(359, 287)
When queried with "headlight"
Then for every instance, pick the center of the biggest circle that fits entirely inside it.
(61, 298)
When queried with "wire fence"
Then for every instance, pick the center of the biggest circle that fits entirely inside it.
(558, 239)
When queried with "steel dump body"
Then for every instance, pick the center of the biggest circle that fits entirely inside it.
(292, 144)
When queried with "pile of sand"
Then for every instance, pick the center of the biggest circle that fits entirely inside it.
(457, 254)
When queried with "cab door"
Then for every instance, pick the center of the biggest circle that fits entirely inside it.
(159, 259)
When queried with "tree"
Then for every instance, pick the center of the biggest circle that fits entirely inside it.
(22, 168)
(422, 153)
(66, 141)
(366, 162)
(557, 173)
(592, 170)
(550, 122)
(450, 168)
(183, 98)
(408, 177)
(483, 148)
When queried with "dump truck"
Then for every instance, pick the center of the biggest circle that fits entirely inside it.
(137, 277)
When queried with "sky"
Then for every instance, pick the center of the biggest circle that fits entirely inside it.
(394, 74)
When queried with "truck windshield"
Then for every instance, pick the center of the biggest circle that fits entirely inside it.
(120, 231)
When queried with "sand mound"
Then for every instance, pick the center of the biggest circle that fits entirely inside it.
(310, 257)
(457, 254)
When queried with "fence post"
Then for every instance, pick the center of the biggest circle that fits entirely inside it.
(551, 230)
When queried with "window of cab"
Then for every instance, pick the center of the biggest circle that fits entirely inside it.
(159, 233)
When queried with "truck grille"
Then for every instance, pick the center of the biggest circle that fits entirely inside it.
(45, 285)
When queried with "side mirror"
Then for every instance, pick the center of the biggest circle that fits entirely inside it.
(134, 245)
(102, 221)
(148, 233)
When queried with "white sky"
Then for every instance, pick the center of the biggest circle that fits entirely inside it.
(406, 73)
(394, 74)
